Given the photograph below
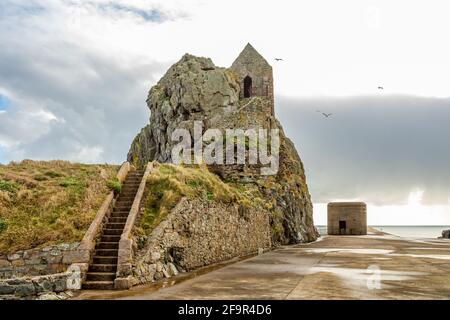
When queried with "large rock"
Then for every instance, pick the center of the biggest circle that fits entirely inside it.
(194, 89)
(446, 234)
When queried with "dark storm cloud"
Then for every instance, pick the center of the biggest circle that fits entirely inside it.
(376, 148)
(105, 109)
(65, 97)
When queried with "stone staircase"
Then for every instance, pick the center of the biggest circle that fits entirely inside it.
(102, 270)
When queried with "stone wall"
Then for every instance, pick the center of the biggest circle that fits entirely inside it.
(35, 262)
(48, 287)
(198, 233)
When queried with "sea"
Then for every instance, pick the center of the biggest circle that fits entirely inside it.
(404, 231)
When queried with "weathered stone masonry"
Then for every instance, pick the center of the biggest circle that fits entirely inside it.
(347, 218)
(35, 262)
(198, 233)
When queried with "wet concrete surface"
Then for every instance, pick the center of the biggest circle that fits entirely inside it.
(375, 266)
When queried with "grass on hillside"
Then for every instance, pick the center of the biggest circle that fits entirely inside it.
(44, 203)
(168, 183)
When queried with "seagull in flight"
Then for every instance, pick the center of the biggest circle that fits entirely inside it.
(326, 115)
(278, 59)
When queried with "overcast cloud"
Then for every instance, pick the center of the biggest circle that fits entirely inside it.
(376, 148)
(74, 76)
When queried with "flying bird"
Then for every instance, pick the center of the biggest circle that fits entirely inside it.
(326, 115)
(278, 59)
(380, 88)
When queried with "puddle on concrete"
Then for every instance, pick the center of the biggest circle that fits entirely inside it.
(422, 256)
(359, 277)
(424, 248)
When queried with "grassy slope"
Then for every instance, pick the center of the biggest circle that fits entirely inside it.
(44, 203)
(169, 183)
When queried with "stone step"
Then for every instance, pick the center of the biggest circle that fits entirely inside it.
(98, 285)
(115, 225)
(120, 211)
(108, 232)
(123, 207)
(110, 238)
(131, 184)
(126, 189)
(106, 252)
(124, 203)
(117, 220)
(120, 214)
(100, 276)
(103, 268)
(108, 245)
(126, 198)
(135, 174)
(129, 192)
(105, 260)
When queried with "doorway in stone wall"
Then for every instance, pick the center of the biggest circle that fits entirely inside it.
(342, 226)
(247, 87)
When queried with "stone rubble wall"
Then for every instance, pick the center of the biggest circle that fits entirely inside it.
(48, 287)
(198, 233)
(36, 262)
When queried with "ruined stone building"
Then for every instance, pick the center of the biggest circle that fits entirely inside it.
(255, 74)
(347, 218)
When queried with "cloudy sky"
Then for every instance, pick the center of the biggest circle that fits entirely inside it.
(74, 76)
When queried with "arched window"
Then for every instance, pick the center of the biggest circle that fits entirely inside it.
(247, 87)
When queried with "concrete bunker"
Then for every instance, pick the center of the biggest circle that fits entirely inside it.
(347, 218)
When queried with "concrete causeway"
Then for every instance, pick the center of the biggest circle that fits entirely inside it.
(376, 266)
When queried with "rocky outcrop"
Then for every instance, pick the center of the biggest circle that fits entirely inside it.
(194, 89)
(446, 234)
